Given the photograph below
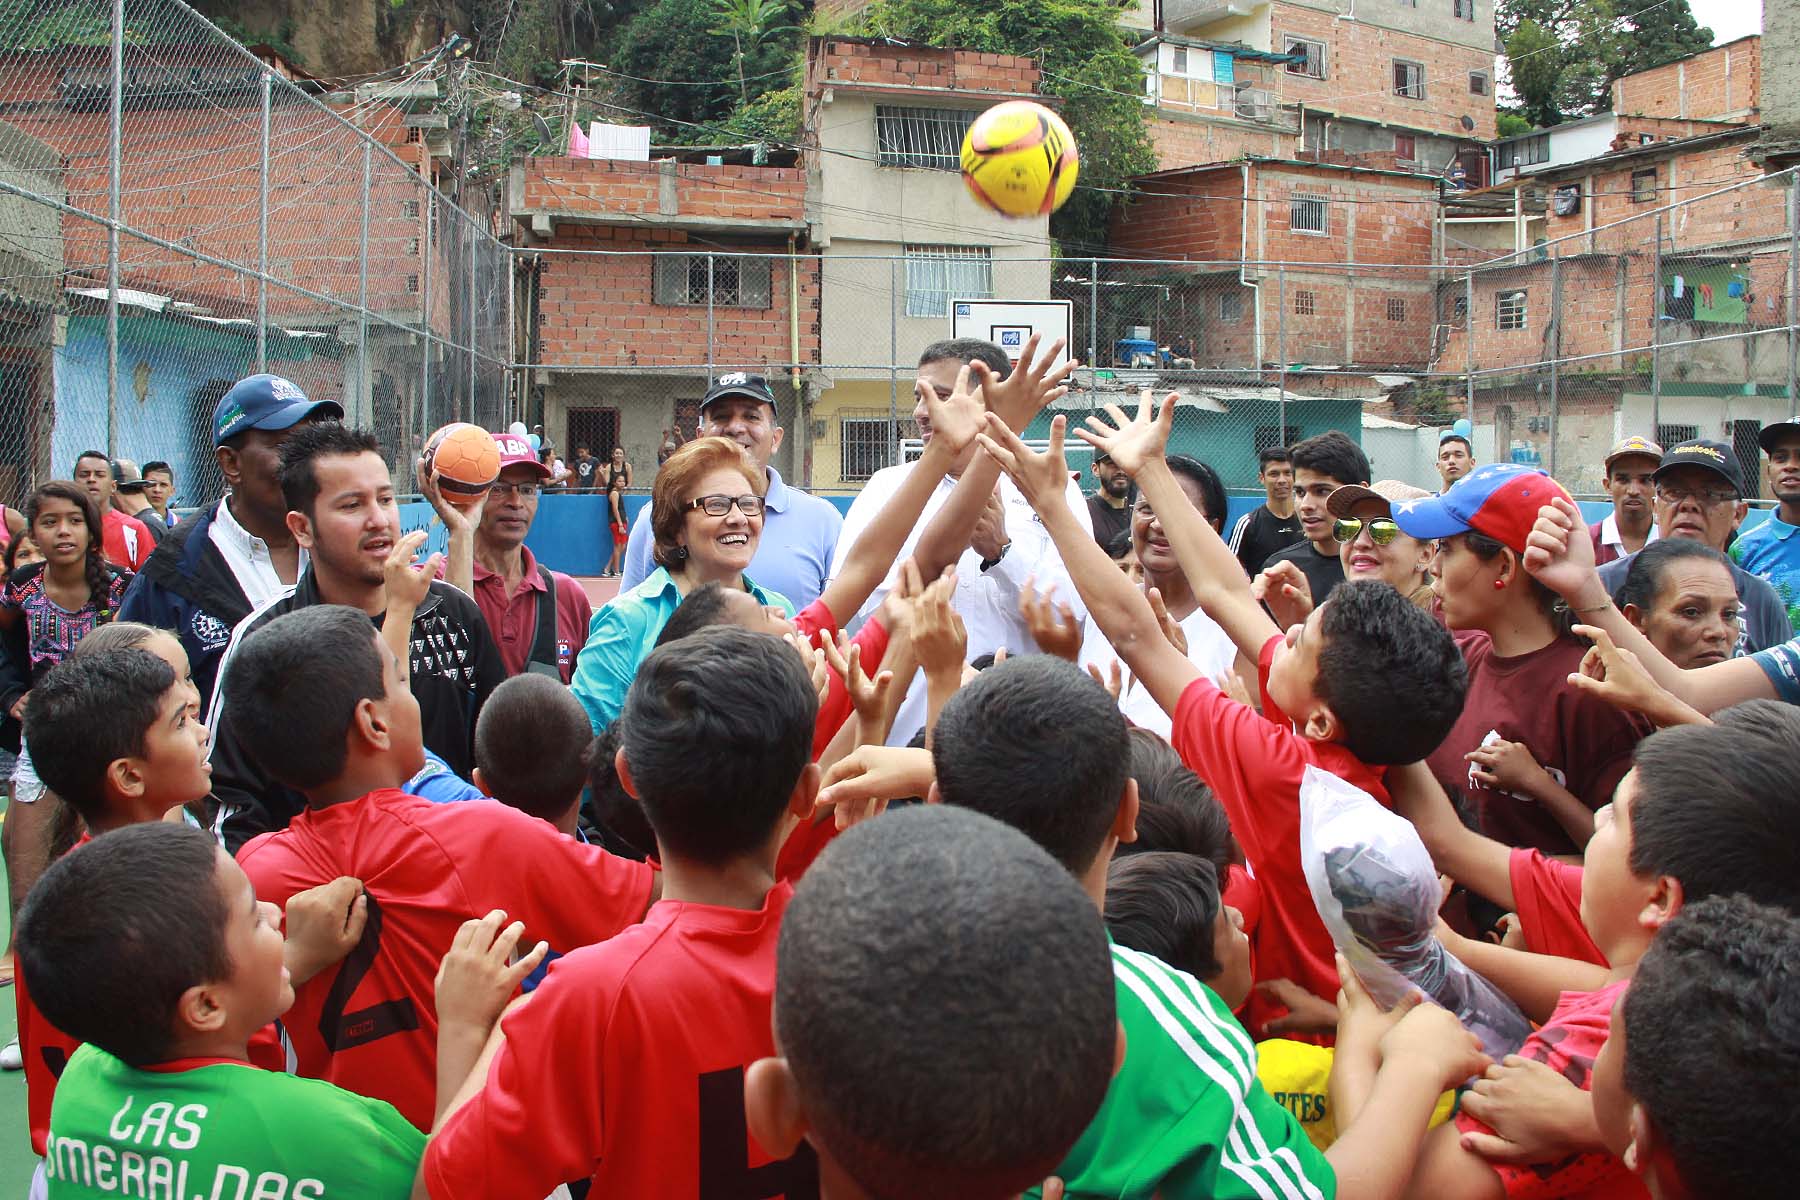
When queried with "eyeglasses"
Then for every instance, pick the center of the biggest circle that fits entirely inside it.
(1681, 495)
(1382, 530)
(500, 491)
(718, 506)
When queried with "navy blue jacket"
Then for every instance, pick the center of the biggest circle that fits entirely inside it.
(187, 588)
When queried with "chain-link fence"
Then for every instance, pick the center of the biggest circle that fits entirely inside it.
(177, 212)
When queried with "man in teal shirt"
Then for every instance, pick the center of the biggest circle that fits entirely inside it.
(1770, 551)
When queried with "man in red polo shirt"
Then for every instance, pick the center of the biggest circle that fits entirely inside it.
(538, 616)
(126, 539)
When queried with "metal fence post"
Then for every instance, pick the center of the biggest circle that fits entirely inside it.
(1555, 348)
(710, 260)
(430, 205)
(1656, 333)
(893, 362)
(474, 413)
(262, 237)
(509, 411)
(1469, 350)
(114, 202)
(364, 411)
(1281, 359)
(1793, 286)
(1093, 318)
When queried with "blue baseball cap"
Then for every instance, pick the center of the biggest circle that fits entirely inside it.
(1500, 500)
(266, 402)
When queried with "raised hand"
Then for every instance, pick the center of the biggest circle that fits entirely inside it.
(1171, 628)
(1132, 441)
(1286, 590)
(456, 520)
(955, 419)
(408, 583)
(1032, 385)
(1053, 626)
(477, 977)
(1560, 555)
(1113, 681)
(1040, 478)
(940, 642)
(1618, 677)
(861, 784)
(813, 659)
(868, 697)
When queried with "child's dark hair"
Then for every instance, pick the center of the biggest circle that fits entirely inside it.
(309, 443)
(1716, 805)
(1036, 743)
(1392, 675)
(1712, 1046)
(1206, 480)
(1332, 455)
(114, 932)
(1487, 549)
(1120, 546)
(1176, 810)
(292, 688)
(89, 711)
(718, 728)
(937, 991)
(530, 745)
(612, 815)
(1644, 577)
(1167, 906)
(98, 574)
(12, 549)
(1269, 454)
(700, 609)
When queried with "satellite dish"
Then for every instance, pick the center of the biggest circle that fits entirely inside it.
(1467, 122)
(544, 132)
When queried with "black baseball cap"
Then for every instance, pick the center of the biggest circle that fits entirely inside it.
(1716, 457)
(740, 383)
(1773, 433)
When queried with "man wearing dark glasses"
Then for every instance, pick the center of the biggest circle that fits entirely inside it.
(800, 531)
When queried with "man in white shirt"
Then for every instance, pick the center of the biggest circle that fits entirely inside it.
(1009, 544)
(212, 570)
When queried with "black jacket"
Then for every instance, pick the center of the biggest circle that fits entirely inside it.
(187, 588)
(454, 667)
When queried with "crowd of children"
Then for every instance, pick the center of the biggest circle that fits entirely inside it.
(735, 945)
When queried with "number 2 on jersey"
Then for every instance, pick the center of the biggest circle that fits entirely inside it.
(342, 1030)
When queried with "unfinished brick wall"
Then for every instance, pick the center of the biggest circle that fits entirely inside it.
(843, 60)
(1687, 176)
(1190, 143)
(596, 187)
(1721, 84)
(1359, 74)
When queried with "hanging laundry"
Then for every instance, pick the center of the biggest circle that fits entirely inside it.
(1680, 287)
(1706, 295)
(1735, 289)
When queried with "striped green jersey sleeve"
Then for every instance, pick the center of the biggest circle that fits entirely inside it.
(1186, 1115)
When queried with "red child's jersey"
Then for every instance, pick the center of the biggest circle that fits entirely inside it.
(1254, 764)
(627, 1066)
(1547, 898)
(370, 1024)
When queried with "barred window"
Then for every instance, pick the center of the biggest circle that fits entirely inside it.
(738, 281)
(1306, 214)
(936, 275)
(865, 446)
(1463, 10)
(1305, 303)
(921, 137)
(1231, 306)
(1311, 62)
(1643, 186)
(1396, 308)
(1509, 310)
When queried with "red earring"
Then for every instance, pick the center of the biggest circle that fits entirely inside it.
(1499, 585)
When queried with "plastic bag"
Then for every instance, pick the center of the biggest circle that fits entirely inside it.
(1378, 894)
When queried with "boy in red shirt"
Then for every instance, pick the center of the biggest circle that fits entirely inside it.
(116, 739)
(627, 1063)
(1370, 680)
(1706, 810)
(320, 702)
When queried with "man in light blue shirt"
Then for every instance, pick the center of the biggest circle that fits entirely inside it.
(1770, 551)
(800, 531)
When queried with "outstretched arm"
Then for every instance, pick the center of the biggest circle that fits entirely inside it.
(1123, 614)
(1016, 400)
(1137, 447)
(955, 420)
(1472, 860)
(1560, 555)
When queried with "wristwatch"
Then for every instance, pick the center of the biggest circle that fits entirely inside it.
(989, 563)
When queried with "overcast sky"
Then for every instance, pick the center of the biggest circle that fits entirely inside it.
(1728, 19)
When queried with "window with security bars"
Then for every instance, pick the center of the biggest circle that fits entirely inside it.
(1643, 186)
(1409, 79)
(865, 446)
(1306, 214)
(1305, 303)
(1674, 435)
(1310, 57)
(1509, 310)
(936, 275)
(1463, 10)
(921, 137)
(1396, 308)
(1231, 306)
(737, 281)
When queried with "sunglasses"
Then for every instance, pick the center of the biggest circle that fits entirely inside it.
(1382, 530)
(718, 506)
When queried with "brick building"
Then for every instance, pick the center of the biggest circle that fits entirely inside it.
(723, 291)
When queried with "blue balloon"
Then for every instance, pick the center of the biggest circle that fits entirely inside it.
(1464, 426)
(537, 443)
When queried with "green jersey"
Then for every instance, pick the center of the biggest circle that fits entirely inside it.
(1186, 1115)
(215, 1129)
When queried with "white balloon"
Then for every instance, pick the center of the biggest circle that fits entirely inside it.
(517, 429)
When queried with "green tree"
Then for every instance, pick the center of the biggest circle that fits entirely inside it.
(1560, 55)
(1086, 62)
(685, 69)
(750, 24)
(1661, 35)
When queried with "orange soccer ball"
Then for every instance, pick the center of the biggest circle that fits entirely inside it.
(467, 461)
